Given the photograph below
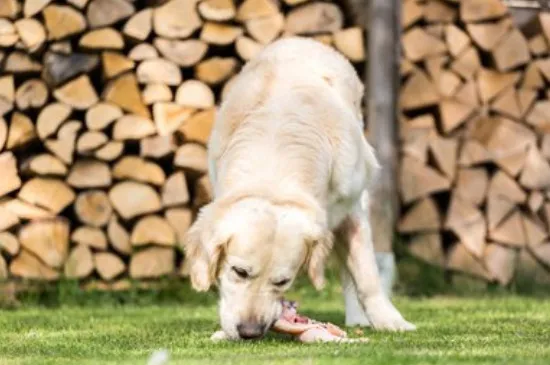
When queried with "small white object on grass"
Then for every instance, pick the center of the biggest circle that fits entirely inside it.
(159, 357)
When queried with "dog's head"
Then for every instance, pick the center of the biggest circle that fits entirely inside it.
(253, 250)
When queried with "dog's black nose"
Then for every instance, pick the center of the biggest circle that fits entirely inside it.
(250, 330)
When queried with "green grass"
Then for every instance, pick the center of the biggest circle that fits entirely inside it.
(127, 328)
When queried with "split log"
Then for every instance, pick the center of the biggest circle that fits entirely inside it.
(491, 83)
(131, 199)
(423, 216)
(110, 151)
(51, 194)
(507, 104)
(448, 83)
(500, 262)
(488, 35)
(510, 231)
(350, 42)
(133, 127)
(79, 263)
(472, 184)
(474, 11)
(439, 12)
(118, 237)
(157, 146)
(457, 41)
(10, 178)
(156, 93)
(203, 192)
(184, 53)
(461, 260)
(266, 29)
(180, 220)
(140, 25)
(3, 133)
(512, 51)
(115, 64)
(31, 8)
(47, 239)
(63, 148)
(93, 208)
(247, 48)
(101, 115)
(159, 71)
(542, 253)
(216, 69)
(143, 51)
(217, 10)
(28, 266)
(198, 127)
(102, 39)
(102, 13)
(8, 34)
(31, 33)
(192, 156)
(253, 9)
(108, 265)
(428, 248)
(138, 169)
(79, 93)
(467, 64)
(152, 263)
(535, 201)
(175, 191)
(220, 34)
(31, 94)
(418, 92)
(124, 92)
(176, 19)
(195, 94)
(153, 229)
(418, 180)
(535, 232)
(90, 141)
(169, 117)
(8, 218)
(21, 63)
(411, 13)
(419, 45)
(89, 236)
(50, 119)
(9, 244)
(21, 131)
(63, 21)
(532, 77)
(445, 151)
(536, 172)
(89, 173)
(313, 18)
(538, 116)
(468, 223)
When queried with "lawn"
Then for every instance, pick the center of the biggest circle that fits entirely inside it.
(126, 329)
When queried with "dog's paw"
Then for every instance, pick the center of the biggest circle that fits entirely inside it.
(219, 336)
(383, 316)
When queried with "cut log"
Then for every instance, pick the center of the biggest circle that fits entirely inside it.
(133, 127)
(423, 216)
(544, 20)
(536, 172)
(93, 208)
(419, 45)
(131, 199)
(538, 45)
(247, 48)
(60, 68)
(61, 47)
(457, 41)
(8, 34)
(350, 42)
(169, 117)
(155, 93)
(411, 13)
(454, 114)
(10, 178)
(488, 35)
(474, 10)
(180, 219)
(538, 116)
(198, 127)
(8, 219)
(542, 253)
(50, 119)
(428, 248)
(526, 98)
(535, 201)
(459, 259)
(110, 151)
(491, 83)
(31, 33)
(63, 21)
(220, 34)
(51, 194)
(25, 210)
(468, 223)
(510, 231)
(28, 266)
(471, 185)
(500, 262)
(415, 144)
(138, 169)
(265, 30)
(195, 94)
(314, 18)
(9, 243)
(175, 191)
(507, 104)
(176, 19)
(160, 71)
(152, 263)
(253, 9)
(157, 146)
(439, 12)
(33, 7)
(216, 69)
(20, 63)
(115, 64)
(89, 174)
(203, 192)
(80, 263)
(118, 237)
(467, 63)
(90, 141)
(69, 129)
(192, 156)
(448, 83)
(226, 87)
(532, 78)
(47, 239)
(31, 94)
(101, 115)
(418, 180)
(90, 236)
(140, 25)
(535, 232)
(62, 148)
(445, 151)
(3, 133)
(102, 13)
(503, 195)
(124, 92)
(435, 65)
(512, 51)
(79, 93)
(217, 10)
(418, 92)
(21, 131)
(7, 93)
(143, 51)
(153, 229)
(108, 265)
(184, 53)
(104, 38)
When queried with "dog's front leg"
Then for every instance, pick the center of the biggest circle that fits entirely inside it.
(355, 250)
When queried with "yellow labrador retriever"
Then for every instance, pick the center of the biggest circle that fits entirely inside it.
(290, 169)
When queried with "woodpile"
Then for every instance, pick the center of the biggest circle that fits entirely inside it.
(475, 142)
(105, 110)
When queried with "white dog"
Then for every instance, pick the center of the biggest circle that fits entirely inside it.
(290, 169)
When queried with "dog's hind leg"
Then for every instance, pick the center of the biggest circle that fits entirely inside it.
(356, 251)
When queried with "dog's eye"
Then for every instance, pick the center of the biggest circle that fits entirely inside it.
(282, 282)
(242, 273)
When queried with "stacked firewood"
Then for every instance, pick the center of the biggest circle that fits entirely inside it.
(475, 139)
(105, 110)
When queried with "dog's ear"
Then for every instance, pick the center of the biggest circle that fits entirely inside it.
(320, 242)
(203, 245)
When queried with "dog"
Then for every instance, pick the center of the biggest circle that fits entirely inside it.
(290, 170)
